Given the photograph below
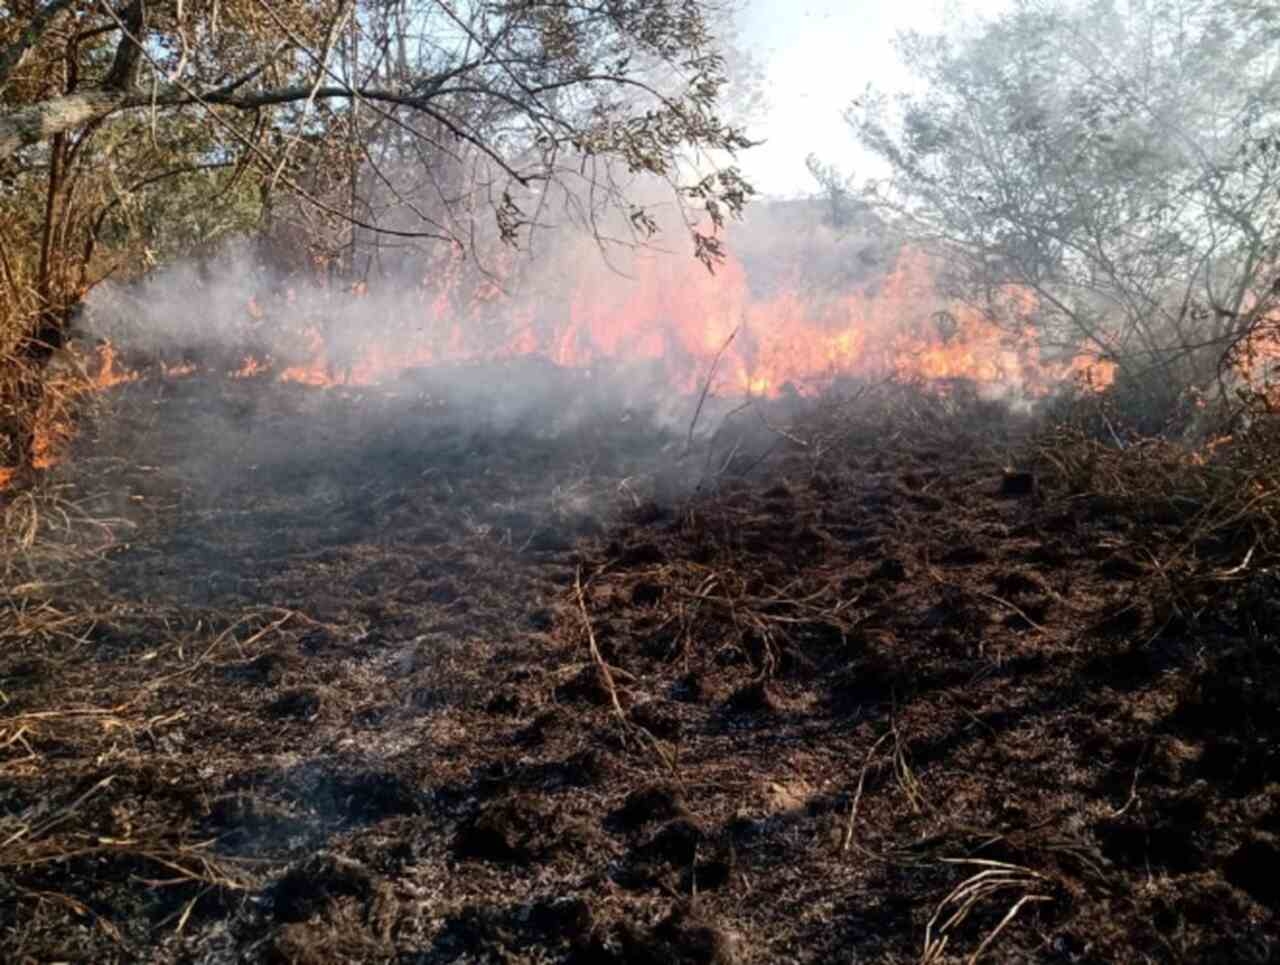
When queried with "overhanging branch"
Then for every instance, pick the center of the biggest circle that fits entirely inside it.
(40, 122)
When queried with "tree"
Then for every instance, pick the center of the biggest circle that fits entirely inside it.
(836, 189)
(1120, 161)
(419, 121)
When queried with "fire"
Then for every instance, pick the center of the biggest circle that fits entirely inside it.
(1258, 359)
(55, 426)
(692, 325)
(672, 314)
(687, 324)
(108, 374)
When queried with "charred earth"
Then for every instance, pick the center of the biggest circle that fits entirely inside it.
(426, 675)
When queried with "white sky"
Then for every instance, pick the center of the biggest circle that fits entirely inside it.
(819, 55)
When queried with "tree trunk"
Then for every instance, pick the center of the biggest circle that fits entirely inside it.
(50, 330)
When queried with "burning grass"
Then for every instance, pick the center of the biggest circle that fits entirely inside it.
(792, 336)
(891, 673)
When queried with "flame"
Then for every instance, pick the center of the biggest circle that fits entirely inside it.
(689, 323)
(692, 324)
(764, 344)
(1258, 360)
(178, 370)
(670, 313)
(54, 427)
(250, 367)
(108, 374)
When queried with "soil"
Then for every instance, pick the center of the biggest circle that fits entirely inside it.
(300, 675)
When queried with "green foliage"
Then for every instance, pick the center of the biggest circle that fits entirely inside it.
(1121, 161)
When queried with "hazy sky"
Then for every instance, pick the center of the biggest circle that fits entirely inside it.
(820, 54)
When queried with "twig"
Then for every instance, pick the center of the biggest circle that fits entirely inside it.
(208, 651)
(706, 386)
(1009, 916)
(1133, 787)
(995, 877)
(1005, 603)
(857, 795)
(605, 672)
(1237, 570)
(667, 757)
(1111, 429)
(906, 777)
(781, 432)
(33, 833)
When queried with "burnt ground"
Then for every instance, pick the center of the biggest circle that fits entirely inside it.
(305, 676)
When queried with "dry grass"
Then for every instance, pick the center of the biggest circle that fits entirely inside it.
(995, 883)
(848, 840)
(1224, 499)
(111, 728)
(20, 381)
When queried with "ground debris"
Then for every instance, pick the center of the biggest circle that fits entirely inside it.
(425, 694)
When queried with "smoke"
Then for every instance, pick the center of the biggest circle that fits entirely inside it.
(580, 378)
(587, 296)
(796, 305)
(463, 338)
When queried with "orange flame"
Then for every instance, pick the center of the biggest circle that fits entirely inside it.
(670, 313)
(54, 427)
(249, 368)
(108, 374)
(675, 314)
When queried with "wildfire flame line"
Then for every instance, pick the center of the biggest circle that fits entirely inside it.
(679, 317)
(671, 314)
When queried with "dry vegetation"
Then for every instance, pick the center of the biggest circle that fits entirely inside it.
(893, 679)
(894, 675)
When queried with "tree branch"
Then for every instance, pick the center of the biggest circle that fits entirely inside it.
(41, 122)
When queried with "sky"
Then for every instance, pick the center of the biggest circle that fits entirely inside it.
(819, 55)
